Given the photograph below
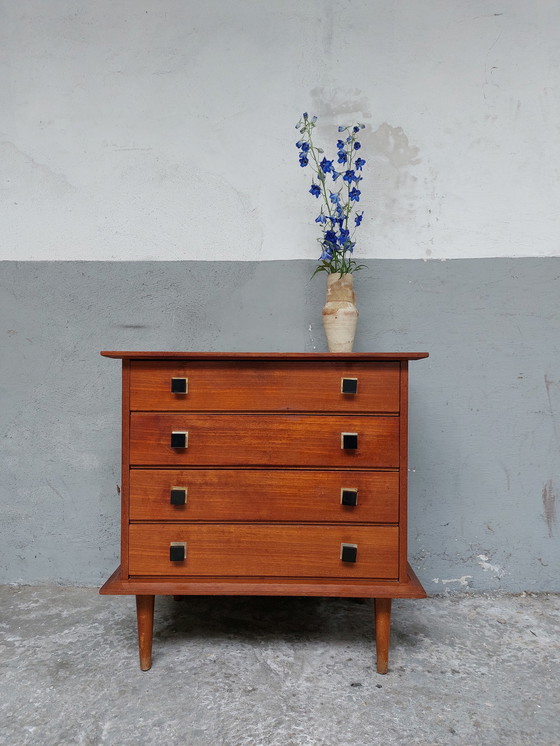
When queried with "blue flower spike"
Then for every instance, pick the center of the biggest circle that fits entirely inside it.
(337, 222)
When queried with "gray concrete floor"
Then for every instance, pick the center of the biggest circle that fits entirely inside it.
(464, 670)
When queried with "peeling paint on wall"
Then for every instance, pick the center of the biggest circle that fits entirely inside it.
(486, 566)
(463, 580)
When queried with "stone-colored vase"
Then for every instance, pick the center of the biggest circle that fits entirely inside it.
(340, 313)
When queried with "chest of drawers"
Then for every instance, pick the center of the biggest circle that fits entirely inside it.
(264, 474)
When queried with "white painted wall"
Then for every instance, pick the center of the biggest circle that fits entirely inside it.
(165, 129)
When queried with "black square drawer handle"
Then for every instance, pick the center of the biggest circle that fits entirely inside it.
(178, 496)
(349, 441)
(348, 552)
(179, 439)
(179, 385)
(178, 551)
(349, 385)
(349, 496)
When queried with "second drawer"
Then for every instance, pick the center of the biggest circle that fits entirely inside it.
(263, 440)
(263, 495)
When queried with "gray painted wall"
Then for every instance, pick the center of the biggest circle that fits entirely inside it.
(484, 408)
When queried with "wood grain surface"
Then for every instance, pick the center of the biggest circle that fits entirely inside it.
(265, 550)
(264, 386)
(263, 495)
(264, 440)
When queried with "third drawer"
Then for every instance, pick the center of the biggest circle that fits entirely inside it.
(264, 495)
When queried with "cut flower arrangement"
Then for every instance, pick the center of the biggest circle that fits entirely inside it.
(338, 188)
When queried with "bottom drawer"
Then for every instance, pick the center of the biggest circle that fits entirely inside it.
(248, 550)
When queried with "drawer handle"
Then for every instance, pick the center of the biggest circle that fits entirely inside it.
(349, 441)
(349, 496)
(179, 385)
(178, 551)
(179, 439)
(349, 385)
(178, 496)
(348, 552)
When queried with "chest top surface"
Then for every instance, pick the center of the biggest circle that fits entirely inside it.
(272, 356)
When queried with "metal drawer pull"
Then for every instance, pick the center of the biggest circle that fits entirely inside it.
(179, 385)
(348, 552)
(178, 496)
(349, 441)
(179, 439)
(349, 385)
(349, 496)
(178, 551)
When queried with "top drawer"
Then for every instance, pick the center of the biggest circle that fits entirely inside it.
(264, 386)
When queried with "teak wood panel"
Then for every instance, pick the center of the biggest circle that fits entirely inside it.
(264, 440)
(407, 586)
(264, 386)
(263, 550)
(263, 495)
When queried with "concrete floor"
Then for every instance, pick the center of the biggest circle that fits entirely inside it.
(464, 670)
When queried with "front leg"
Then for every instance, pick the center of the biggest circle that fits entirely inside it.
(145, 619)
(382, 632)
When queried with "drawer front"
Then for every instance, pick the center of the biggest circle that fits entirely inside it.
(263, 495)
(264, 550)
(264, 386)
(264, 440)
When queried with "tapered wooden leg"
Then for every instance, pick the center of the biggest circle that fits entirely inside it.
(145, 619)
(382, 632)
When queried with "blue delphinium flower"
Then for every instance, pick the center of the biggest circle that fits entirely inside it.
(337, 243)
(330, 236)
(334, 197)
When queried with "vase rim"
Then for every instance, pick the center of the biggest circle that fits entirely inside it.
(333, 276)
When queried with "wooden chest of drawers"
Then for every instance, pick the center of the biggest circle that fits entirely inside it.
(264, 474)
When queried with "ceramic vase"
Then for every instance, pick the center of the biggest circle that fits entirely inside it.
(340, 313)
